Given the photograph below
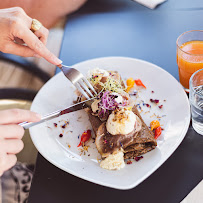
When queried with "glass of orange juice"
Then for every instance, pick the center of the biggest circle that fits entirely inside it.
(189, 55)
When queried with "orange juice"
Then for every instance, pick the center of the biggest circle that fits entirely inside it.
(189, 60)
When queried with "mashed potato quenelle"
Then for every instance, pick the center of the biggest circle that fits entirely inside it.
(122, 122)
(113, 161)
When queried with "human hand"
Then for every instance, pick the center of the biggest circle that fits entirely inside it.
(11, 134)
(15, 26)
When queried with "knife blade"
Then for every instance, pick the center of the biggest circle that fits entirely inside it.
(75, 107)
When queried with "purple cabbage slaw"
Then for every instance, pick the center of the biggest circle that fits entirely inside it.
(108, 103)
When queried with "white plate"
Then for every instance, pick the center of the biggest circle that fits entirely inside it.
(59, 93)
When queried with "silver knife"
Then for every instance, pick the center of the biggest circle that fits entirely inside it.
(75, 107)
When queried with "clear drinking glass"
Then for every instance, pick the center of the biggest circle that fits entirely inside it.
(189, 55)
(196, 100)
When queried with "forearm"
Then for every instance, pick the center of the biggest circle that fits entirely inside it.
(46, 11)
(25, 4)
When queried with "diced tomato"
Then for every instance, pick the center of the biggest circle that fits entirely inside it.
(138, 82)
(157, 132)
(85, 137)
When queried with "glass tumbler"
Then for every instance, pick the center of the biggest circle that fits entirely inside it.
(189, 55)
(196, 100)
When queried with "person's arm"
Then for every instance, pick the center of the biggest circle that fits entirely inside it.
(46, 11)
(15, 26)
(11, 134)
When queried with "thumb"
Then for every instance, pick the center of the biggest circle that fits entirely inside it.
(15, 116)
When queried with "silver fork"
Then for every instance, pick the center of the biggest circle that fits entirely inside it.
(78, 80)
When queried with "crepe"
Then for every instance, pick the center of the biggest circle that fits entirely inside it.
(133, 144)
(141, 143)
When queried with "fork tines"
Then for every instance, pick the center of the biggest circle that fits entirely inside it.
(85, 88)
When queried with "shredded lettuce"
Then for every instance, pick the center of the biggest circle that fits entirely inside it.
(113, 85)
(109, 85)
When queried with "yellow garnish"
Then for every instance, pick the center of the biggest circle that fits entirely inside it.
(128, 89)
(130, 84)
(154, 124)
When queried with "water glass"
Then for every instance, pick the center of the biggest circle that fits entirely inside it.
(196, 100)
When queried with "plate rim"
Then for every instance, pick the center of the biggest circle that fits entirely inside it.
(132, 185)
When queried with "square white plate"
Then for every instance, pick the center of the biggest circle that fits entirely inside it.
(58, 93)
